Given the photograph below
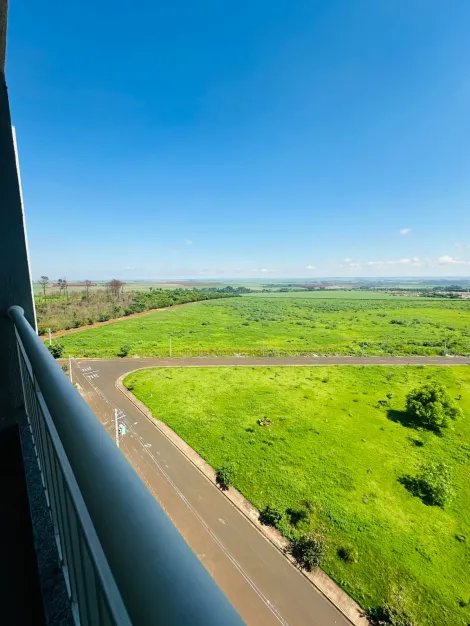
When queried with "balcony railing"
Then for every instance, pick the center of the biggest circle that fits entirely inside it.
(123, 560)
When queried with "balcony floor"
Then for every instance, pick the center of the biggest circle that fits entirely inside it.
(20, 597)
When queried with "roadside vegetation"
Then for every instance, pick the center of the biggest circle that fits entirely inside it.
(333, 459)
(300, 324)
(71, 308)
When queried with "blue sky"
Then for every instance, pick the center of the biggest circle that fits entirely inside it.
(281, 138)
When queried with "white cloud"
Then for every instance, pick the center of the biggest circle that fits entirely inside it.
(405, 231)
(451, 260)
(310, 267)
(384, 263)
(263, 270)
(347, 260)
(188, 242)
(413, 261)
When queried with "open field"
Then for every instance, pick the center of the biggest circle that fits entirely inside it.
(301, 324)
(332, 459)
(339, 294)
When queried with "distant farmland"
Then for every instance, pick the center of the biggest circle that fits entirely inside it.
(288, 324)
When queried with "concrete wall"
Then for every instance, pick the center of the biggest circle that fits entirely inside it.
(15, 280)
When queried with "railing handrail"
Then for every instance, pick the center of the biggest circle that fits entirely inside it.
(160, 579)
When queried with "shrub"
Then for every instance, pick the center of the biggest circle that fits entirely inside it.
(308, 550)
(432, 407)
(348, 554)
(56, 349)
(270, 517)
(103, 317)
(392, 613)
(65, 367)
(224, 477)
(124, 351)
(433, 484)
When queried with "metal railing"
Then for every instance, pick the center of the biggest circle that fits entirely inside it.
(123, 560)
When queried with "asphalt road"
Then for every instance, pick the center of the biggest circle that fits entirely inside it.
(262, 585)
(234, 361)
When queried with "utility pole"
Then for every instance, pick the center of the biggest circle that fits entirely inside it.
(116, 427)
(70, 368)
(50, 337)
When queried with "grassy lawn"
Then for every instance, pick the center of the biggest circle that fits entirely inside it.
(287, 324)
(333, 456)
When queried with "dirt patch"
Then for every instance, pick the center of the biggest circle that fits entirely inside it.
(61, 333)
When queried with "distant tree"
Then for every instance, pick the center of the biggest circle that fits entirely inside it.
(87, 287)
(63, 284)
(44, 281)
(432, 407)
(116, 287)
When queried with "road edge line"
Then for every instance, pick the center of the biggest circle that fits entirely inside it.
(318, 578)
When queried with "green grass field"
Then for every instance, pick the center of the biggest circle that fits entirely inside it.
(334, 456)
(295, 324)
(340, 294)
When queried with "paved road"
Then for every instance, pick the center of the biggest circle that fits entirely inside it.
(233, 361)
(261, 584)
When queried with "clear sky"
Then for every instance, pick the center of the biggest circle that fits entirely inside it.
(253, 138)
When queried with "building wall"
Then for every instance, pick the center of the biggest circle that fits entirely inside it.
(15, 280)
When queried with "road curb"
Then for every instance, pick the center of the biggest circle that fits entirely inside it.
(318, 578)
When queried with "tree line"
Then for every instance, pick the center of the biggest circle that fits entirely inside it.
(73, 309)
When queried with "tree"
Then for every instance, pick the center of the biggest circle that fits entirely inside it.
(308, 550)
(270, 517)
(115, 286)
(65, 285)
(224, 477)
(56, 349)
(44, 281)
(63, 288)
(88, 284)
(432, 407)
(433, 484)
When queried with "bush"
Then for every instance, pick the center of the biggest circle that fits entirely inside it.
(270, 517)
(348, 554)
(65, 367)
(433, 484)
(56, 349)
(392, 613)
(308, 550)
(124, 351)
(432, 407)
(224, 477)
